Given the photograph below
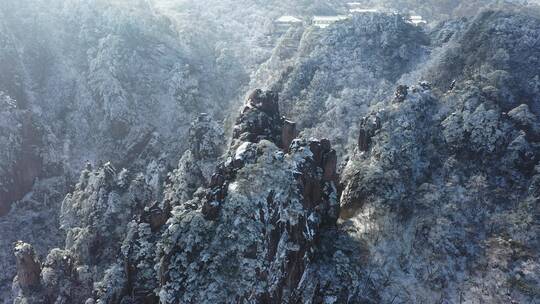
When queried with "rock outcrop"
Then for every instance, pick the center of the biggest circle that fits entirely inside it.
(259, 218)
(254, 236)
(95, 219)
(259, 119)
(28, 267)
(401, 93)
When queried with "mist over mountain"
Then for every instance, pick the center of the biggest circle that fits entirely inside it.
(176, 151)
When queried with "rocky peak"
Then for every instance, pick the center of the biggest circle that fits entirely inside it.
(28, 267)
(525, 120)
(288, 134)
(205, 138)
(266, 101)
(259, 119)
(401, 93)
(259, 221)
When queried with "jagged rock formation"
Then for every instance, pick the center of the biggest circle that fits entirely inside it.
(255, 232)
(260, 119)
(436, 196)
(95, 219)
(267, 238)
(110, 218)
(28, 267)
(34, 219)
(215, 245)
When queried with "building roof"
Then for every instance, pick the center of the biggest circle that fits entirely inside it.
(288, 19)
(363, 10)
(329, 18)
(417, 22)
(325, 21)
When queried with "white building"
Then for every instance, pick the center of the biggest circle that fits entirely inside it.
(354, 5)
(288, 20)
(417, 20)
(363, 10)
(325, 21)
(283, 23)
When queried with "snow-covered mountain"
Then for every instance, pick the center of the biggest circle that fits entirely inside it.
(95, 82)
(380, 163)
